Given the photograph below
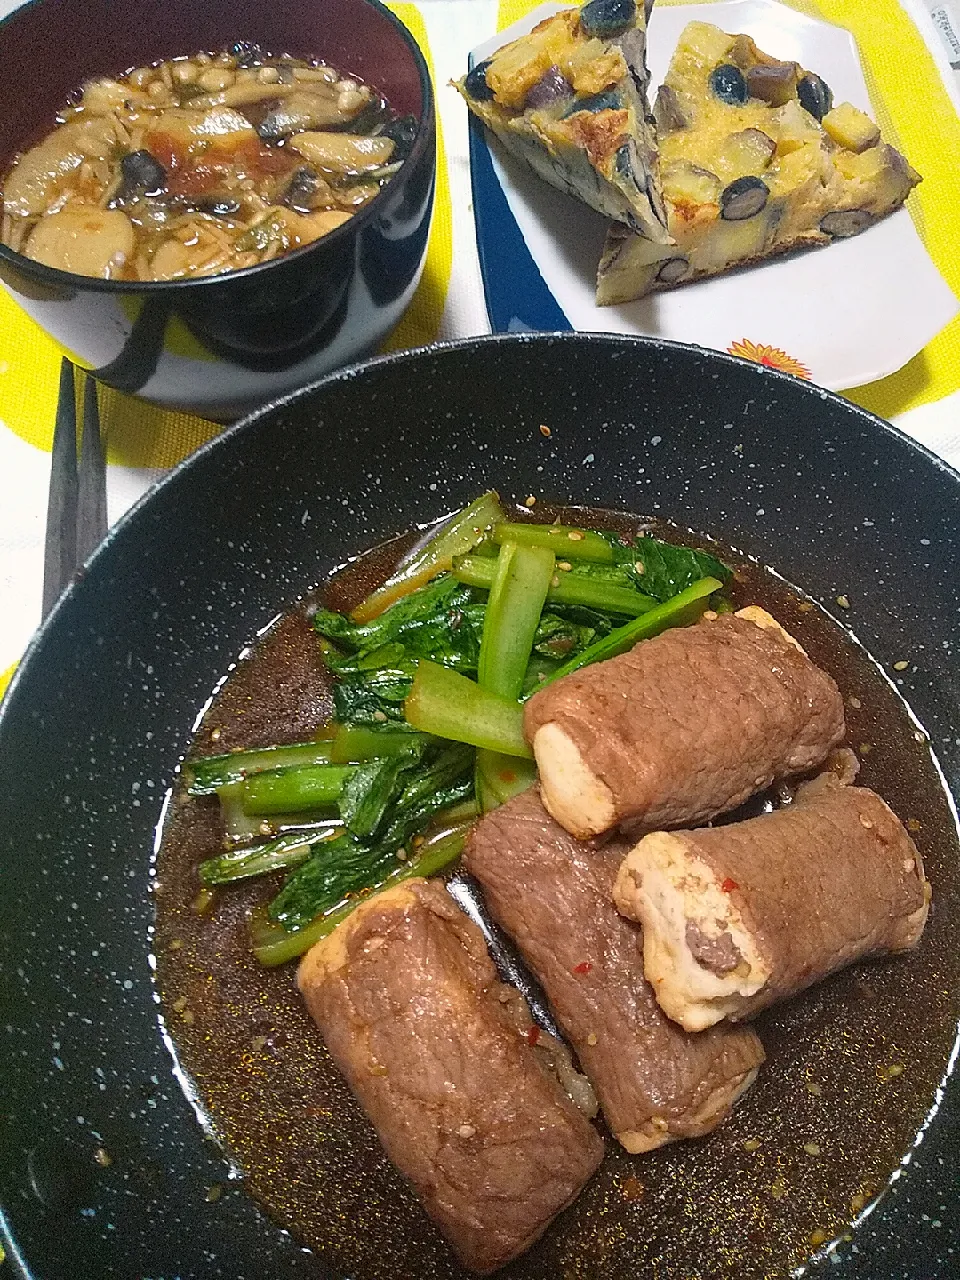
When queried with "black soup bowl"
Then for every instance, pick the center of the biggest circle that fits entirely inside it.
(104, 1168)
(222, 345)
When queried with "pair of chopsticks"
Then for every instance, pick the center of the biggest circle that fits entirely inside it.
(77, 503)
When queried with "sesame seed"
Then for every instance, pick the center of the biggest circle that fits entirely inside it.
(215, 734)
(819, 1237)
(804, 607)
(901, 665)
(213, 1193)
(843, 602)
(592, 1038)
(815, 1089)
(565, 565)
(545, 431)
(575, 535)
(380, 716)
(466, 1131)
(865, 748)
(752, 1144)
(778, 1189)
(913, 825)
(855, 703)
(554, 581)
(103, 1157)
(530, 502)
(811, 1148)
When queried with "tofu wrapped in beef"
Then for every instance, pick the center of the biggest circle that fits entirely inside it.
(553, 895)
(739, 916)
(409, 1004)
(683, 727)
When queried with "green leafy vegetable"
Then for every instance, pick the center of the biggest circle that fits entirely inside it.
(435, 621)
(565, 542)
(517, 595)
(349, 863)
(447, 704)
(597, 586)
(458, 535)
(684, 608)
(369, 793)
(373, 698)
(663, 570)
(213, 772)
(353, 743)
(259, 860)
(239, 827)
(273, 944)
(308, 786)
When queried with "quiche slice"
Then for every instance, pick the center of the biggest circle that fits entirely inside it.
(570, 99)
(755, 160)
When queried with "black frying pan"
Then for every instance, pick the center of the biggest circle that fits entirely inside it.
(104, 1168)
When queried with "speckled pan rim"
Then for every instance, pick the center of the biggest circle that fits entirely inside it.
(411, 356)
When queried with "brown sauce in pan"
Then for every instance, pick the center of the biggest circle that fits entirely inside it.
(852, 1071)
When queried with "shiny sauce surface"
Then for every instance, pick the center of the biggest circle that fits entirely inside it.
(852, 1065)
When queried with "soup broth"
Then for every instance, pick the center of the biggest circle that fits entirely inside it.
(200, 165)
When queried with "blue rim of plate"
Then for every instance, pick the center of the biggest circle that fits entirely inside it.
(515, 293)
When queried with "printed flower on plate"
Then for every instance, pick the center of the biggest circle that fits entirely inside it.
(771, 357)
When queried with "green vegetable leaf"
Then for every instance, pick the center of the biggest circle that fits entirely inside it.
(435, 620)
(373, 698)
(663, 570)
(373, 788)
(350, 863)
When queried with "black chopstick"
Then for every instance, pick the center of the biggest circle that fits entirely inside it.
(77, 501)
(60, 547)
(92, 493)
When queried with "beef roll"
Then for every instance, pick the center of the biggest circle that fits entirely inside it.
(553, 895)
(409, 1004)
(683, 727)
(739, 916)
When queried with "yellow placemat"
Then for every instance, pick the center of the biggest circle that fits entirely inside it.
(140, 435)
(915, 113)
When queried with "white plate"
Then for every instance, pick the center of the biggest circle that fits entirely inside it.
(849, 314)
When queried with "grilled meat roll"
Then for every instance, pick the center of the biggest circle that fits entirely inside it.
(553, 895)
(409, 1004)
(682, 728)
(740, 916)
